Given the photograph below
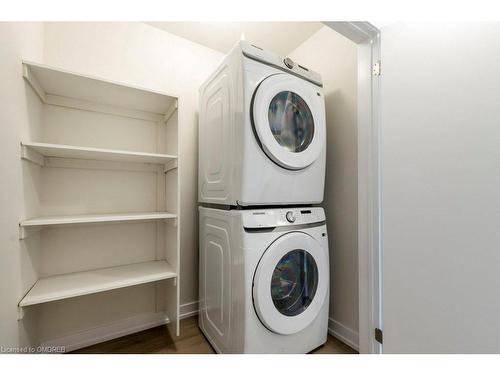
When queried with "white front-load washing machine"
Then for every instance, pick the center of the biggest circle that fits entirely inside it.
(262, 133)
(264, 279)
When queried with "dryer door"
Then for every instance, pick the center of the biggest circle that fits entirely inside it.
(288, 117)
(291, 283)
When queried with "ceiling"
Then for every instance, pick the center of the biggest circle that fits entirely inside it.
(279, 37)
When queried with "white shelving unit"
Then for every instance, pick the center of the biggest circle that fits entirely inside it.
(86, 219)
(27, 227)
(90, 153)
(100, 157)
(56, 85)
(76, 284)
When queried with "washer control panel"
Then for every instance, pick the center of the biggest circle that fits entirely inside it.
(279, 217)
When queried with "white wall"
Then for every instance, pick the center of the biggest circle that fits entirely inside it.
(335, 57)
(440, 184)
(140, 54)
(17, 274)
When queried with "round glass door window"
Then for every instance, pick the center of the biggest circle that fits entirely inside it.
(294, 282)
(291, 121)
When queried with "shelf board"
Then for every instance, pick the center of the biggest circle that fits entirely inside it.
(47, 80)
(76, 284)
(102, 218)
(91, 153)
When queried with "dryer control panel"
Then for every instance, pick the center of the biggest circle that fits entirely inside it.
(279, 217)
(283, 63)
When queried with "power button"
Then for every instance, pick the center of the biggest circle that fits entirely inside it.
(289, 62)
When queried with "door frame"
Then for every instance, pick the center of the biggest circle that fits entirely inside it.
(367, 38)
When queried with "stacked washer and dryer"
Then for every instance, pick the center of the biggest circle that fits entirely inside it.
(264, 263)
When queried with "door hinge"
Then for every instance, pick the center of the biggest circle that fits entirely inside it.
(379, 335)
(376, 68)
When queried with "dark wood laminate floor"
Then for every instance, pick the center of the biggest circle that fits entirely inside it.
(191, 341)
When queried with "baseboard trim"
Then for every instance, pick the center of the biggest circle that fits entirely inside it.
(343, 333)
(188, 309)
(145, 321)
(109, 331)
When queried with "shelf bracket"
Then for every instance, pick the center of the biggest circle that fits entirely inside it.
(170, 111)
(20, 312)
(25, 232)
(171, 221)
(33, 82)
(32, 156)
(171, 165)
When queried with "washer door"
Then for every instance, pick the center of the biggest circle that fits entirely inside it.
(290, 283)
(289, 121)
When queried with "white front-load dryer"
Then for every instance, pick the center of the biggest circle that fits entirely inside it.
(262, 132)
(264, 279)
